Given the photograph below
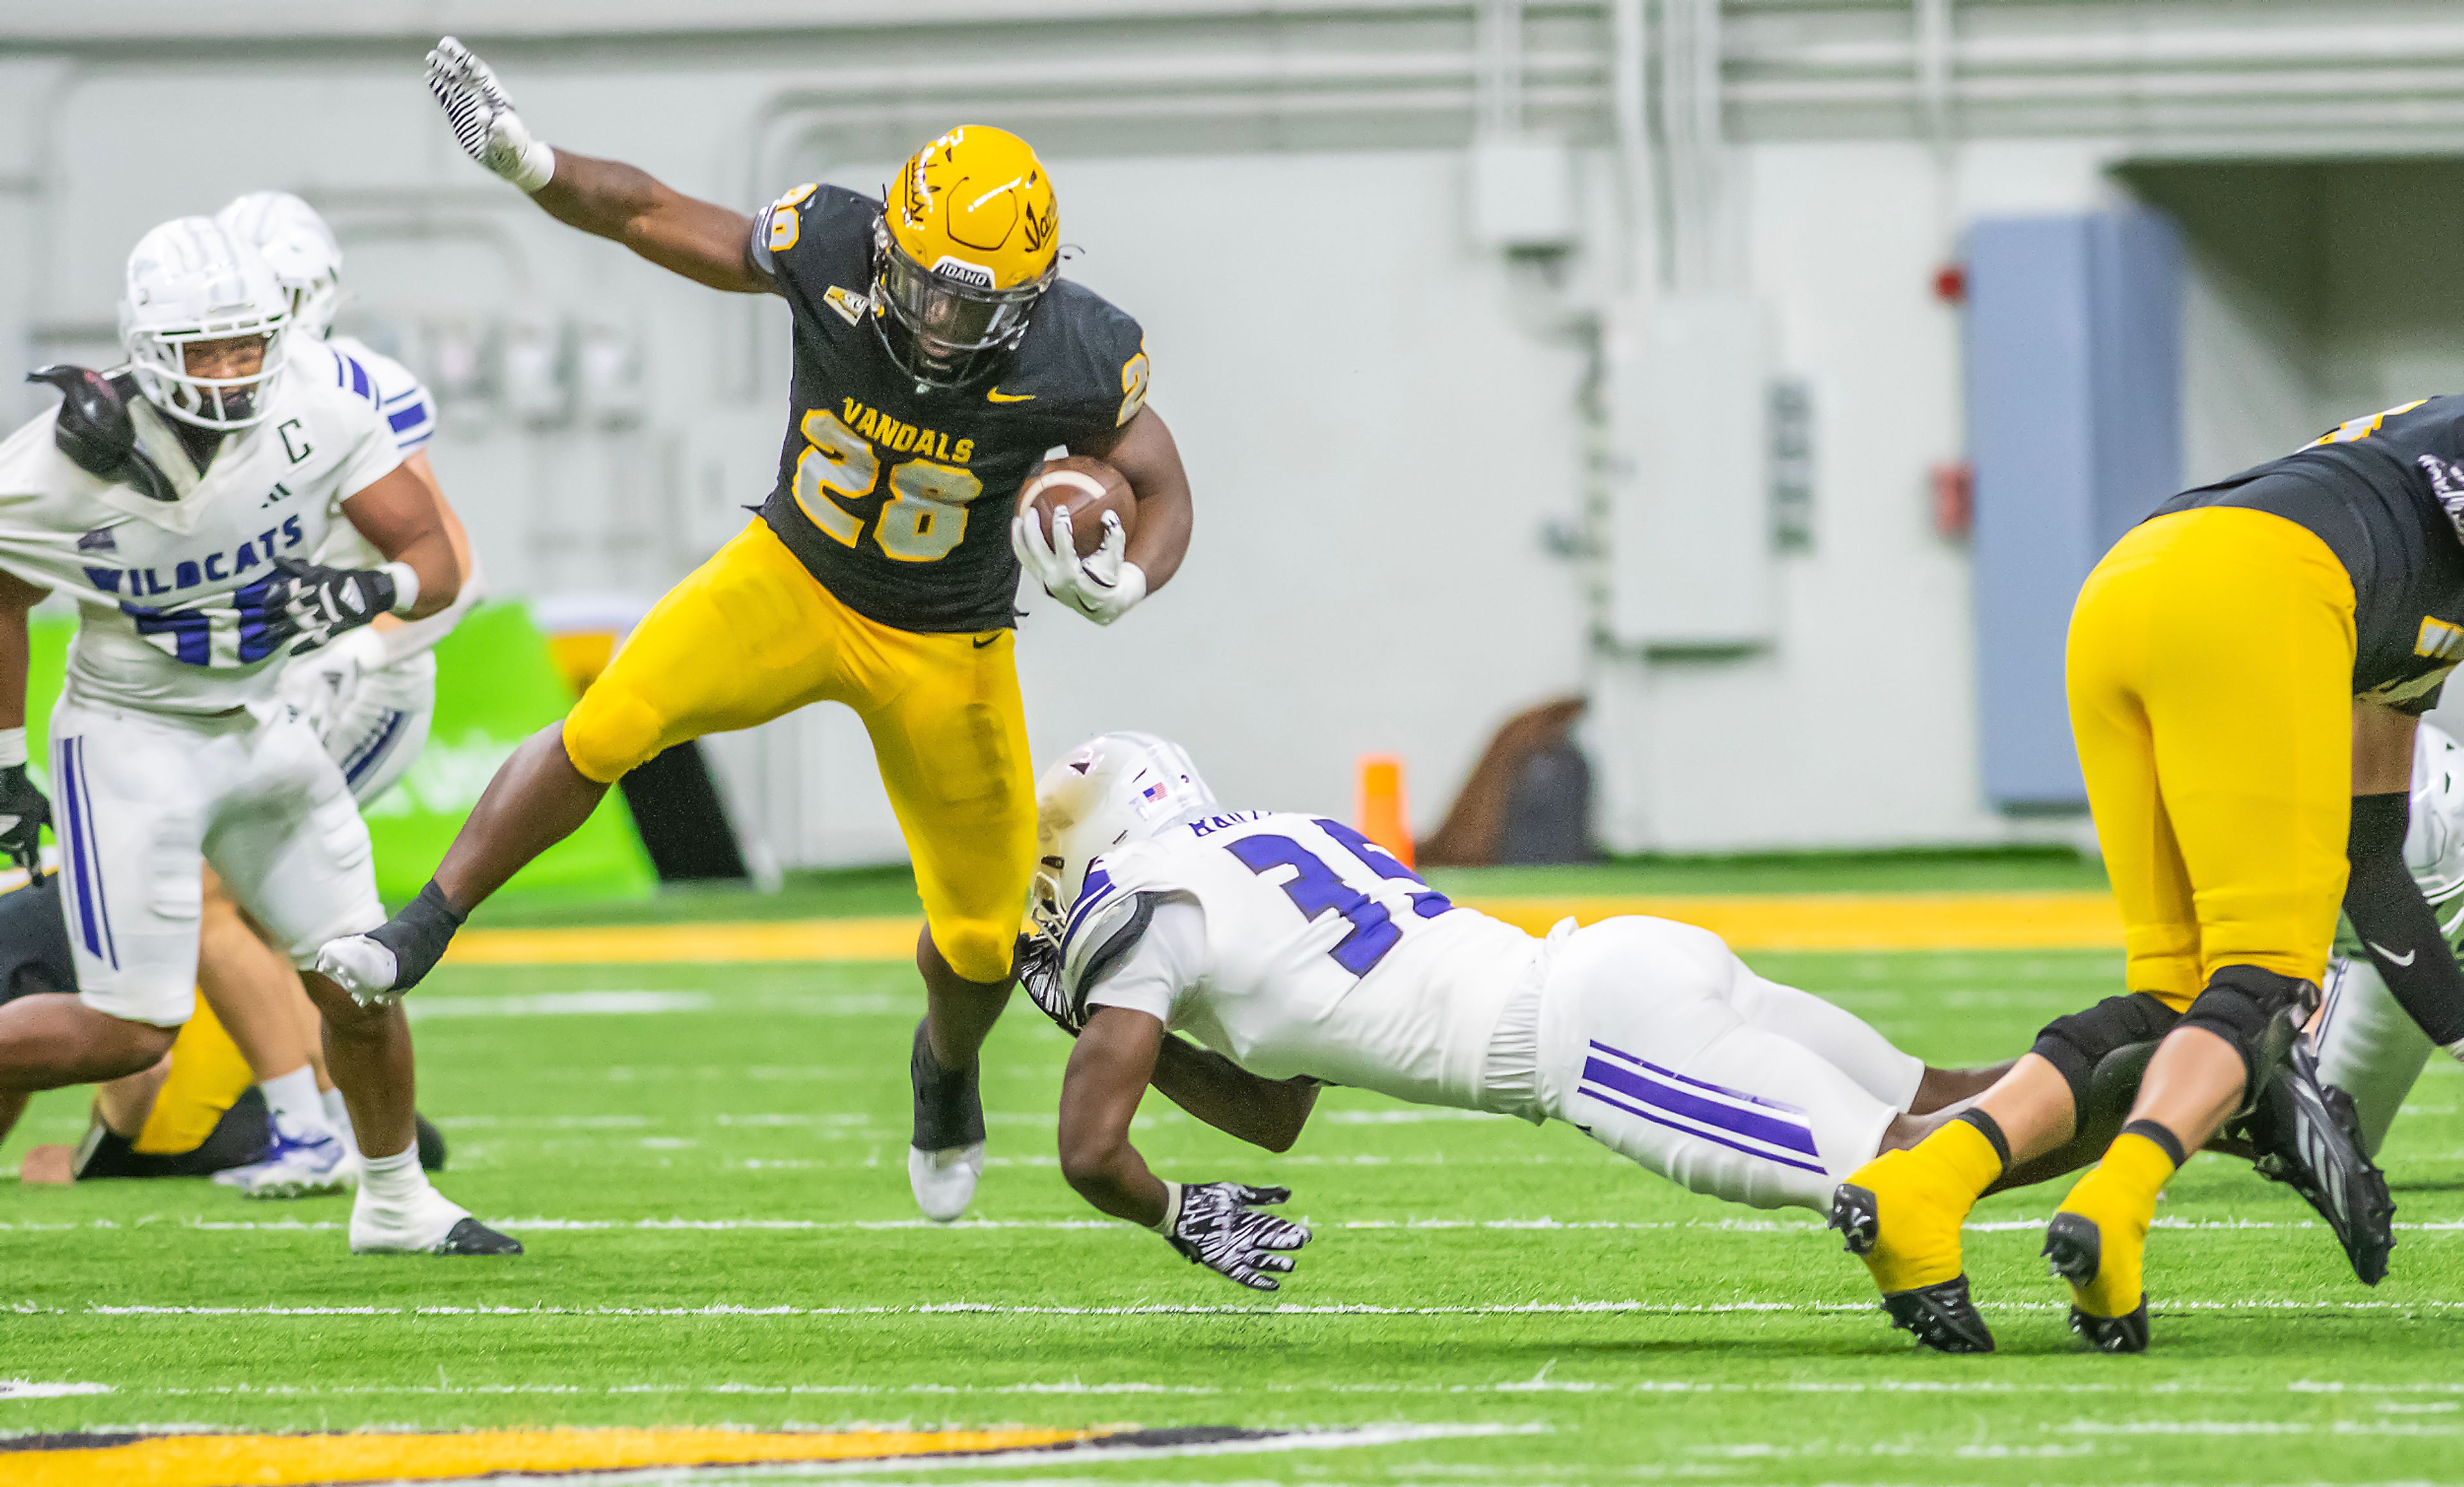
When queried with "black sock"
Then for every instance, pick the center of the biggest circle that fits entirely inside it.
(418, 936)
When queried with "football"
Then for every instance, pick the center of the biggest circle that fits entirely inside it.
(1085, 488)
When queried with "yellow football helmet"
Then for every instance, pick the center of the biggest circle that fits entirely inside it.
(969, 240)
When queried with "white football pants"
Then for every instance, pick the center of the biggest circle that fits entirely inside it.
(140, 801)
(2369, 1047)
(1657, 1042)
(373, 720)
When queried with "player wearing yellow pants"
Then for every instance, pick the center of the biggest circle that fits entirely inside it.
(749, 636)
(938, 356)
(2244, 671)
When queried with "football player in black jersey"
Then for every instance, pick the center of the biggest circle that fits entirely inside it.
(938, 355)
(2247, 668)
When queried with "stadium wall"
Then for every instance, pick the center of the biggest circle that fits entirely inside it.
(1381, 417)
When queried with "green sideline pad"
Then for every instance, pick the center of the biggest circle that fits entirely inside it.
(496, 686)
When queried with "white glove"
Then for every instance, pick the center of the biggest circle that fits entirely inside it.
(319, 686)
(1102, 587)
(483, 119)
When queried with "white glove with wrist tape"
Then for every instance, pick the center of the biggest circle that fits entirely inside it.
(483, 119)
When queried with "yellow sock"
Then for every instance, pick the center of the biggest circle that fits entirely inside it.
(2119, 1197)
(1922, 1195)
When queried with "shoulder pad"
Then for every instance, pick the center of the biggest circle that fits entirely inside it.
(1098, 944)
(96, 432)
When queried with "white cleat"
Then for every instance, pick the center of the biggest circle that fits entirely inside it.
(944, 1182)
(360, 966)
(432, 1224)
(297, 1165)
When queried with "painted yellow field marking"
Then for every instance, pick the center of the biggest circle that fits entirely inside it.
(1748, 922)
(297, 1461)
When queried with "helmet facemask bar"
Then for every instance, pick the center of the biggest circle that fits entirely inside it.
(948, 327)
(158, 360)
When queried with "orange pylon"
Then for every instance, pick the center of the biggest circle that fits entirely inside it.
(1383, 816)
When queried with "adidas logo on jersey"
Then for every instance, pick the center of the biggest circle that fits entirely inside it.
(100, 540)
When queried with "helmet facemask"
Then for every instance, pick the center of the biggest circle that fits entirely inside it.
(942, 329)
(160, 361)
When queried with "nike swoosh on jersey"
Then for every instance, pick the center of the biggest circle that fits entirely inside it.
(2390, 956)
(988, 640)
(996, 395)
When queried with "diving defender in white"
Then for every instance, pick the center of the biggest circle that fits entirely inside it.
(1302, 953)
(178, 502)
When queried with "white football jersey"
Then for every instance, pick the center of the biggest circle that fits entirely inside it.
(157, 630)
(398, 394)
(1322, 955)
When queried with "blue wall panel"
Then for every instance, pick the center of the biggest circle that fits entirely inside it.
(2074, 424)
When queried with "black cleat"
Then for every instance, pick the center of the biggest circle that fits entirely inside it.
(2113, 1334)
(2075, 1250)
(471, 1236)
(2307, 1136)
(949, 1107)
(1941, 1316)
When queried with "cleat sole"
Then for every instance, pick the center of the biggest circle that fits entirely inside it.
(1941, 1316)
(1855, 1213)
(2074, 1248)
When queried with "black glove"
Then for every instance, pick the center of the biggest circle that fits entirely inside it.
(315, 604)
(1219, 1226)
(96, 432)
(24, 813)
(1039, 972)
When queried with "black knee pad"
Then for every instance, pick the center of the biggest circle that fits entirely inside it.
(2081, 1044)
(2260, 1013)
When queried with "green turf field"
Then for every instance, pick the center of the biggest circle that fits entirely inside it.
(707, 1165)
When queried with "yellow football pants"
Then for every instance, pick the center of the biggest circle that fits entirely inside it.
(2210, 667)
(750, 636)
(207, 1077)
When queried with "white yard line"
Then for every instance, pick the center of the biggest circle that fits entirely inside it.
(31, 1389)
(1542, 1224)
(2248, 1305)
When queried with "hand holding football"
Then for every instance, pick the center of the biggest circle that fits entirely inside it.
(1087, 489)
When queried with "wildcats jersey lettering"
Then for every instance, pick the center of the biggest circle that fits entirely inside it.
(879, 482)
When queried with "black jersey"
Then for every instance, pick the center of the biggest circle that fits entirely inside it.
(898, 502)
(2385, 493)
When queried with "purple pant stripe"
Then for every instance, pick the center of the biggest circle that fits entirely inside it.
(1704, 1135)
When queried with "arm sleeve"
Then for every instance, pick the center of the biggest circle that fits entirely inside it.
(1167, 960)
(2395, 923)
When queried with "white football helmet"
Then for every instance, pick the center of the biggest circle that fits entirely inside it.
(188, 282)
(2433, 844)
(300, 249)
(1111, 789)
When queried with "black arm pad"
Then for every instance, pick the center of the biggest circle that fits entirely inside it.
(2395, 921)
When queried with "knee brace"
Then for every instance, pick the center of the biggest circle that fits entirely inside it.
(2260, 1013)
(2082, 1043)
(2101, 1053)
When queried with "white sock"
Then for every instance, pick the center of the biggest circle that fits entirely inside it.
(338, 1116)
(395, 1180)
(293, 1100)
